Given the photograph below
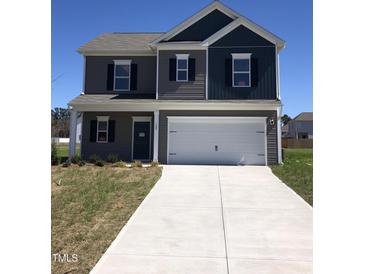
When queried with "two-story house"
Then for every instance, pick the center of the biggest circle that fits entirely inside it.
(205, 92)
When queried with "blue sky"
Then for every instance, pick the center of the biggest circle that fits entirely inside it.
(77, 22)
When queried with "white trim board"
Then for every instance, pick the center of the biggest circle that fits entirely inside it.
(214, 119)
(141, 118)
(152, 105)
(151, 108)
(180, 46)
(156, 133)
(157, 71)
(206, 72)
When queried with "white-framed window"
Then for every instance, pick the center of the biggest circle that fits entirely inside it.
(122, 75)
(102, 129)
(241, 69)
(182, 67)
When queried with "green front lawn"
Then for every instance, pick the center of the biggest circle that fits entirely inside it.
(90, 205)
(297, 172)
(62, 150)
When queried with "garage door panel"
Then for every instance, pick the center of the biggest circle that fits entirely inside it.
(209, 144)
(216, 142)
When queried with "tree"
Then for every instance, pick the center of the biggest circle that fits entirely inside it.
(285, 119)
(60, 122)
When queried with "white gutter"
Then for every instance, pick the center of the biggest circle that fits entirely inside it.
(153, 105)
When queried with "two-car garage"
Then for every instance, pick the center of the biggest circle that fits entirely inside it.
(216, 140)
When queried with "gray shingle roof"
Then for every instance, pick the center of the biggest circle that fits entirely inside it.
(304, 116)
(94, 99)
(117, 41)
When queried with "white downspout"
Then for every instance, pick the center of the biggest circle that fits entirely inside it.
(279, 113)
(157, 72)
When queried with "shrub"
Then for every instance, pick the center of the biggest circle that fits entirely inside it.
(137, 164)
(94, 158)
(154, 164)
(62, 159)
(75, 159)
(81, 163)
(112, 158)
(67, 163)
(120, 164)
(54, 156)
(99, 163)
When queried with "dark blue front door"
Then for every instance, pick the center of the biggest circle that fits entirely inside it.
(141, 141)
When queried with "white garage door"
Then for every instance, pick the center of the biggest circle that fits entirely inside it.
(217, 140)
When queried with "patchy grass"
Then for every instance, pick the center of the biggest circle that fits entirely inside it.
(62, 150)
(89, 207)
(297, 172)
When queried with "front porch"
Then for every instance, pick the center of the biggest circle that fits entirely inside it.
(129, 135)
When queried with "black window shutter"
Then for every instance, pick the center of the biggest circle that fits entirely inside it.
(111, 131)
(110, 78)
(254, 72)
(172, 69)
(93, 125)
(191, 69)
(228, 71)
(133, 76)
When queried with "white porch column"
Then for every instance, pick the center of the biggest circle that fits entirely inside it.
(81, 125)
(73, 126)
(155, 134)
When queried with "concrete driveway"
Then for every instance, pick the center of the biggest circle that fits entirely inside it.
(210, 219)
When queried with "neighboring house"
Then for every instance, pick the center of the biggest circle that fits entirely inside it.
(301, 127)
(205, 92)
(284, 130)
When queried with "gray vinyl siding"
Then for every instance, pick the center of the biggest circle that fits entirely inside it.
(204, 28)
(242, 37)
(172, 90)
(272, 147)
(96, 75)
(122, 145)
(242, 40)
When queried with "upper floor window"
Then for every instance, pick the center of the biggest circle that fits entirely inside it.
(241, 69)
(182, 67)
(102, 129)
(122, 75)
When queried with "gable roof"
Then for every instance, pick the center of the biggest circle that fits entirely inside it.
(195, 18)
(120, 42)
(304, 116)
(204, 27)
(238, 20)
(241, 21)
(144, 43)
